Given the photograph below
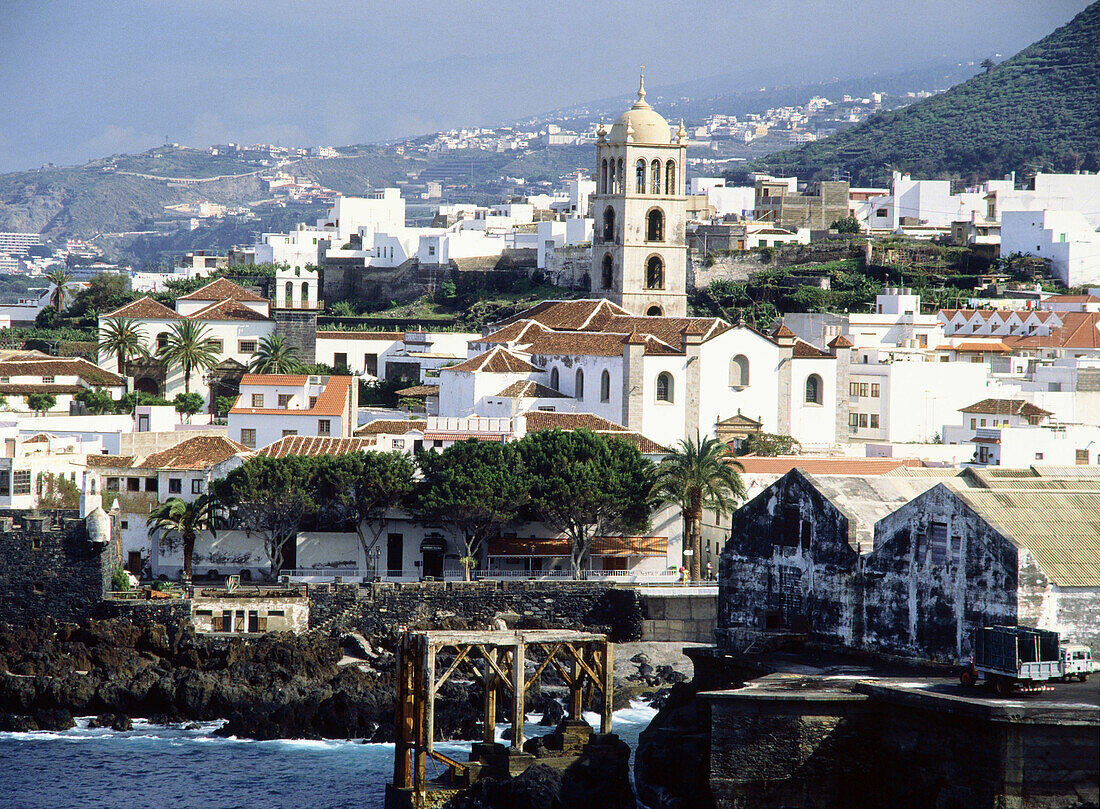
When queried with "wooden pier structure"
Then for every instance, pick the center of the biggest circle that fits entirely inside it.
(496, 659)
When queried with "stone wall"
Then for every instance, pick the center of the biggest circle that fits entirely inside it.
(299, 328)
(687, 618)
(570, 267)
(741, 265)
(48, 568)
(142, 613)
(384, 606)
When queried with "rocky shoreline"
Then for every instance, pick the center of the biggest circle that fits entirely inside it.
(279, 685)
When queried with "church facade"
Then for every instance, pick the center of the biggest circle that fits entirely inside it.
(639, 245)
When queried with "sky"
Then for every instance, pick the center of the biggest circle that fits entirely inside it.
(82, 80)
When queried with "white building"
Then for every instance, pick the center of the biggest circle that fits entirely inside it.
(273, 406)
(60, 377)
(1066, 238)
(727, 200)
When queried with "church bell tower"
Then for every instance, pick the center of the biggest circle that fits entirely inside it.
(639, 245)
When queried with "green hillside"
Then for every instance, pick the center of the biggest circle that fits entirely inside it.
(1038, 109)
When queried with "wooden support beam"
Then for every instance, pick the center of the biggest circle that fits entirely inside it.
(543, 665)
(579, 657)
(420, 763)
(576, 692)
(566, 676)
(491, 683)
(403, 719)
(462, 652)
(429, 693)
(518, 693)
(608, 686)
(492, 661)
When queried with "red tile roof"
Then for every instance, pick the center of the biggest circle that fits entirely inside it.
(293, 380)
(1070, 299)
(840, 341)
(550, 420)
(223, 289)
(998, 347)
(496, 361)
(1005, 407)
(227, 310)
(568, 315)
(314, 445)
(530, 390)
(781, 465)
(392, 426)
(804, 351)
(646, 546)
(199, 452)
(144, 309)
(110, 461)
(522, 331)
(1078, 330)
(79, 367)
(27, 388)
(419, 391)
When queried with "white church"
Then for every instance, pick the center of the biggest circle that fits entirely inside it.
(630, 354)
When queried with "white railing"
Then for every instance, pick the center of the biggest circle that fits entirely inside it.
(353, 575)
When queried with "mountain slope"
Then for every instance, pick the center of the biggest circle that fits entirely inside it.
(1040, 108)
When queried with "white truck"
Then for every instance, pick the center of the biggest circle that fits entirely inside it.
(1020, 658)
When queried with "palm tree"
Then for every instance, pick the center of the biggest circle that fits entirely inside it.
(275, 356)
(189, 346)
(184, 520)
(698, 474)
(60, 277)
(123, 337)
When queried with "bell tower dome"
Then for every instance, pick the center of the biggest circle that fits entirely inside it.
(639, 245)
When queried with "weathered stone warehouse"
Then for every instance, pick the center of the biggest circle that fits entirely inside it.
(912, 562)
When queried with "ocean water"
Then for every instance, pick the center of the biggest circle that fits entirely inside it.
(167, 766)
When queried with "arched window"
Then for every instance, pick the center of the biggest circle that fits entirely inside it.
(664, 387)
(609, 224)
(554, 382)
(620, 178)
(655, 226)
(608, 273)
(739, 371)
(162, 340)
(670, 178)
(639, 177)
(655, 178)
(305, 293)
(813, 389)
(603, 178)
(654, 273)
(578, 385)
(289, 292)
(654, 311)
(605, 387)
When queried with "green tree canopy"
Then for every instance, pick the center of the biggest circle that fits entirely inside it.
(768, 444)
(269, 497)
(274, 355)
(97, 401)
(58, 492)
(177, 520)
(61, 277)
(363, 488)
(583, 485)
(124, 338)
(697, 474)
(190, 346)
(474, 487)
(188, 404)
(41, 402)
(104, 293)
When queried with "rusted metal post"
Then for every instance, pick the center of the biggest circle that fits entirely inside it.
(490, 697)
(608, 675)
(518, 661)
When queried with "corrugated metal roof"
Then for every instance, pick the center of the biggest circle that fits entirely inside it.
(1060, 527)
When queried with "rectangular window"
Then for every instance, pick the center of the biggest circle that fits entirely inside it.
(112, 484)
(370, 364)
(874, 421)
(853, 421)
(257, 400)
(175, 486)
(973, 424)
(151, 485)
(340, 361)
(248, 438)
(196, 486)
(922, 340)
(1082, 455)
(21, 482)
(246, 346)
(47, 380)
(431, 250)
(284, 399)
(864, 389)
(312, 402)
(983, 422)
(1038, 456)
(217, 345)
(323, 427)
(398, 443)
(853, 389)
(5, 483)
(937, 543)
(862, 419)
(874, 390)
(133, 484)
(289, 432)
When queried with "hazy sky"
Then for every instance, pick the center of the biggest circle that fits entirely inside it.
(90, 78)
